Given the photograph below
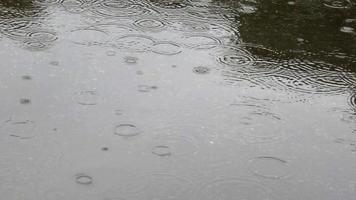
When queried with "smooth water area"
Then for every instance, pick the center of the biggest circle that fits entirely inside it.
(177, 99)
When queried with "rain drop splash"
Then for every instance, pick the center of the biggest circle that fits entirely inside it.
(201, 70)
(24, 101)
(26, 77)
(87, 97)
(127, 130)
(130, 60)
(83, 179)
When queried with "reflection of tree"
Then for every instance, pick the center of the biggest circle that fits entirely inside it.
(306, 28)
(17, 8)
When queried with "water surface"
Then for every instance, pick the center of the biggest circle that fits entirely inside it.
(177, 99)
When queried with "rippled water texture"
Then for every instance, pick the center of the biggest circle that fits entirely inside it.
(177, 99)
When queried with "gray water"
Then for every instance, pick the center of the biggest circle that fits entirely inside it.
(177, 100)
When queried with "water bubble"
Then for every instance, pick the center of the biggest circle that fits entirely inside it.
(228, 189)
(25, 101)
(83, 179)
(269, 167)
(166, 48)
(346, 29)
(161, 150)
(127, 130)
(105, 149)
(87, 97)
(201, 70)
(301, 40)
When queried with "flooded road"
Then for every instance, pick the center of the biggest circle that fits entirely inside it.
(177, 99)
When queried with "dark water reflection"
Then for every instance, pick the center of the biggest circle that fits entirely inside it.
(177, 99)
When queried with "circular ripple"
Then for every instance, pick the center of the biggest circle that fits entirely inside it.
(352, 101)
(150, 24)
(314, 80)
(232, 189)
(48, 2)
(121, 9)
(170, 4)
(87, 97)
(20, 127)
(161, 150)
(83, 179)
(19, 28)
(214, 15)
(35, 46)
(166, 48)
(138, 43)
(130, 60)
(203, 26)
(248, 59)
(113, 28)
(200, 41)
(127, 130)
(75, 6)
(89, 36)
(338, 4)
(42, 36)
(269, 167)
